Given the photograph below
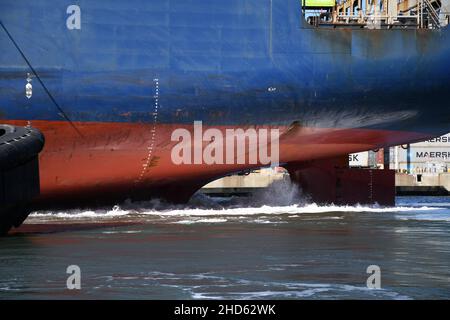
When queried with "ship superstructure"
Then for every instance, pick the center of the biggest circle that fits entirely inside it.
(377, 14)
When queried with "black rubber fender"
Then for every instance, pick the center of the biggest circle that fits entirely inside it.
(18, 145)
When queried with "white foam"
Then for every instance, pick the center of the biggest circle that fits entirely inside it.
(218, 220)
(260, 294)
(114, 212)
(444, 216)
(291, 210)
(299, 290)
(122, 232)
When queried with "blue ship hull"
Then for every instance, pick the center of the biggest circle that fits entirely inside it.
(220, 57)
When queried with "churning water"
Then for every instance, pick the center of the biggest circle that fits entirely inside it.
(274, 245)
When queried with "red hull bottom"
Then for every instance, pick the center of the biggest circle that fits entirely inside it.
(112, 160)
(332, 181)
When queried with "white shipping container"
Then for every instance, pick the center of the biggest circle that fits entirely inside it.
(360, 159)
(432, 156)
(442, 141)
(424, 154)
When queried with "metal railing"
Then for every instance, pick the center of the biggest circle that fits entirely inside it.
(432, 14)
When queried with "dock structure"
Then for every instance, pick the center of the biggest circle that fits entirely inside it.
(377, 14)
(422, 185)
(244, 184)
